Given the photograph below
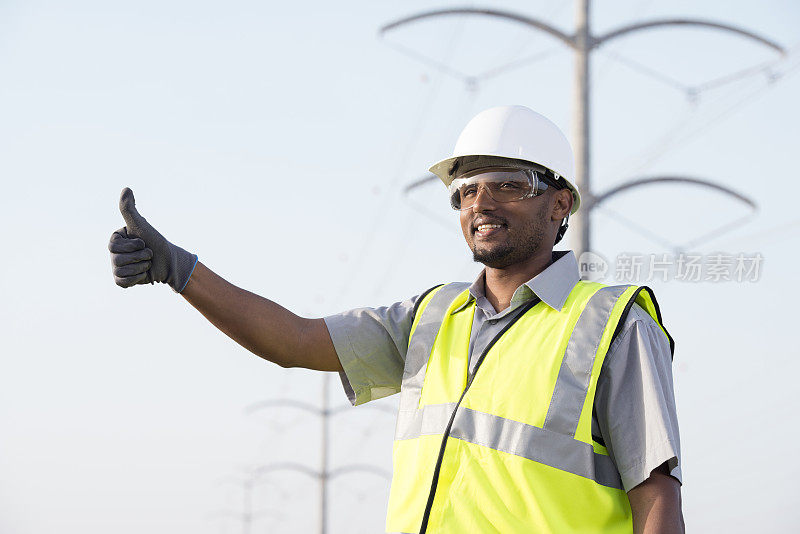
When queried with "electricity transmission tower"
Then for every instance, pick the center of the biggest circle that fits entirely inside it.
(583, 42)
(324, 474)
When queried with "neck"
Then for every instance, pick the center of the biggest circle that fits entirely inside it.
(500, 283)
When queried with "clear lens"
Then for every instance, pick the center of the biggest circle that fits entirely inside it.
(504, 185)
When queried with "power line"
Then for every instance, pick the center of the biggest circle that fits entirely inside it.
(383, 210)
(517, 64)
(433, 63)
(583, 42)
(647, 71)
(641, 8)
(769, 235)
(682, 132)
(513, 64)
(764, 67)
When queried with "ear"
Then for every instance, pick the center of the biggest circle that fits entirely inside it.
(562, 204)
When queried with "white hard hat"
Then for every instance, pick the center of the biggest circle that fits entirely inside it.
(512, 132)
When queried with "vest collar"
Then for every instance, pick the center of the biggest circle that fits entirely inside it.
(552, 286)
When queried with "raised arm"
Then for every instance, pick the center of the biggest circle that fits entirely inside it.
(141, 255)
(260, 325)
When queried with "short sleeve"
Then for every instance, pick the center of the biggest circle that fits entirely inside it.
(371, 344)
(635, 401)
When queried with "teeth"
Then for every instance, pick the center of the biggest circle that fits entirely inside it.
(484, 227)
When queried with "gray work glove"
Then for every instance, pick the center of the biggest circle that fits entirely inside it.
(140, 255)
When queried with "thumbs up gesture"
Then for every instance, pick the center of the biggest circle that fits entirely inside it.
(141, 255)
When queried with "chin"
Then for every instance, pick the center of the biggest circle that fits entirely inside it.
(496, 259)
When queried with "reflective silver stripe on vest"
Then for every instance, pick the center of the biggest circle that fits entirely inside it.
(421, 345)
(572, 385)
(534, 443)
(431, 419)
(520, 439)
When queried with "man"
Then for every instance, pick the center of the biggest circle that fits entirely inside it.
(530, 401)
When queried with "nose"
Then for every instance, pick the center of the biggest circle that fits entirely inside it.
(483, 200)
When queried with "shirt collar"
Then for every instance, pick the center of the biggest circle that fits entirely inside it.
(552, 286)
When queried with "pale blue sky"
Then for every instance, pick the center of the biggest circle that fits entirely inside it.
(275, 143)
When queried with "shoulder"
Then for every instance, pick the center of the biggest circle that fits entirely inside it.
(639, 336)
(637, 314)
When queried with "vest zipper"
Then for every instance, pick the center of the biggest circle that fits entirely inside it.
(432, 493)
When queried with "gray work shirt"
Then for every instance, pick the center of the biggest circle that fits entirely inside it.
(634, 404)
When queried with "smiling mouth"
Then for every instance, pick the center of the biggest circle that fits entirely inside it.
(486, 230)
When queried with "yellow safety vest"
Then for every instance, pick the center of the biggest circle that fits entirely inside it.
(510, 448)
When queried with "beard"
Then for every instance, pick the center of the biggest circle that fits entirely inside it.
(520, 246)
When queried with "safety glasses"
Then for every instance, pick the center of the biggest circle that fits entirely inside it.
(501, 184)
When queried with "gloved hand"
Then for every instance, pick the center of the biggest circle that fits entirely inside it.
(141, 255)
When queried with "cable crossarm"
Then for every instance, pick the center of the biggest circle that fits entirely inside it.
(283, 403)
(671, 179)
(602, 39)
(286, 466)
(360, 468)
(538, 24)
